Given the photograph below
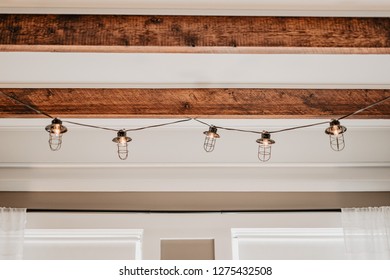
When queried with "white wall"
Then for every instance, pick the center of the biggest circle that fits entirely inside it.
(164, 226)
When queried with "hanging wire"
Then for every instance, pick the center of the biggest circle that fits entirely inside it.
(27, 105)
(236, 129)
(298, 127)
(202, 122)
(91, 126)
(158, 125)
(131, 129)
(365, 108)
(88, 125)
(259, 132)
(301, 126)
(343, 117)
(228, 128)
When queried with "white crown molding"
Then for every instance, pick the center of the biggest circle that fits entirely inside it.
(202, 7)
(171, 165)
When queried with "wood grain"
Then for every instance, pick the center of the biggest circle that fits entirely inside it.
(215, 34)
(194, 102)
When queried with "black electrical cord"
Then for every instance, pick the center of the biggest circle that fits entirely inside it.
(301, 126)
(365, 108)
(88, 125)
(202, 122)
(27, 105)
(158, 125)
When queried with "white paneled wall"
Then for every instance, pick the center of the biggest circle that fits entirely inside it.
(172, 226)
(82, 244)
(288, 244)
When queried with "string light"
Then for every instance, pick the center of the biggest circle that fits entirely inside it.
(336, 135)
(121, 141)
(335, 132)
(55, 129)
(265, 145)
(210, 139)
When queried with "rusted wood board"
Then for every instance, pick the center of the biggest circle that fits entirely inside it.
(193, 102)
(193, 34)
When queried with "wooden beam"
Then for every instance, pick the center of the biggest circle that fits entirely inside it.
(192, 201)
(211, 102)
(194, 34)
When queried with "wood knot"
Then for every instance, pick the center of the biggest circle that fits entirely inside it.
(51, 30)
(14, 29)
(191, 40)
(49, 94)
(176, 28)
(156, 20)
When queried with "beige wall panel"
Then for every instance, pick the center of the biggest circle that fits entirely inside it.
(187, 249)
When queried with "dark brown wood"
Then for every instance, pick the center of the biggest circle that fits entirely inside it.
(192, 201)
(218, 103)
(216, 34)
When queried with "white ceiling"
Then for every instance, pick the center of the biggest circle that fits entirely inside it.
(25, 156)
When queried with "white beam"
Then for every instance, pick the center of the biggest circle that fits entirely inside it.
(129, 70)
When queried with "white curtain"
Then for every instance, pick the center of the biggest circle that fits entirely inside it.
(12, 224)
(367, 232)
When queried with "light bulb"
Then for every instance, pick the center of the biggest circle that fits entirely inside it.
(121, 141)
(336, 135)
(335, 130)
(210, 139)
(55, 129)
(265, 145)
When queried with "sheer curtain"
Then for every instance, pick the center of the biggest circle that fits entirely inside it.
(12, 223)
(367, 232)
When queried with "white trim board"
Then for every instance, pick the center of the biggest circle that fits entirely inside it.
(202, 7)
